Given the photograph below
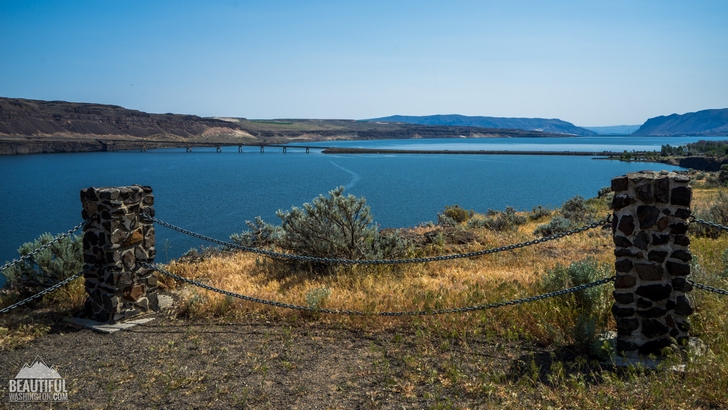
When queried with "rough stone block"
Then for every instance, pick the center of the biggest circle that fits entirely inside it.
(649, 271)
(620, 184)
(678, 268)
(655, 292)
(654, 328)
(625, 281)
(626, 225)
(681, 196)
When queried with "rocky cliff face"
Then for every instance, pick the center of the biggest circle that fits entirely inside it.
(20, 117)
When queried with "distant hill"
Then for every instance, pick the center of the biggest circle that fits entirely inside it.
(36, 126)
(554, 126)
(706, 122)
(614, 129)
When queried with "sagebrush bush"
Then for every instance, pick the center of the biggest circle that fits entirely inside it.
(61, 260)
(589, 307)
(539, 212)
(259, 234)
(504, 221)
(556, 225)
(576, 209)
(334, 226)
(458, 214)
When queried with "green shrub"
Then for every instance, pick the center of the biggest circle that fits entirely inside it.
(556, 225)
(315, 298)
(458, 214)
(590, 307)
(507, 220)
(61, 260)
(539, 212)
(577, 210)
(259, 234)
(336, 226)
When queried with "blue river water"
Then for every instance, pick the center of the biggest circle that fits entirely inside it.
(215, 193)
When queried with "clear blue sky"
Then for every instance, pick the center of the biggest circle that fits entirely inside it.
(587, 62)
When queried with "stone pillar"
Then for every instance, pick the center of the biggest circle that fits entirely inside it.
(116, 238)
(652, 253)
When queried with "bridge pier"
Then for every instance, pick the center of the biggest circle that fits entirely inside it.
(240, 148)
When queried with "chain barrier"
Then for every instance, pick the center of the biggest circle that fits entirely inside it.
(711, 289)
(43, 292)
(396, 313)
(708, 223)
(340, 261)
(42, 248)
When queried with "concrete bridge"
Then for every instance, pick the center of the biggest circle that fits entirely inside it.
(143, 145)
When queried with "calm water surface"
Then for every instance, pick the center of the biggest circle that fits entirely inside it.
(214, 193)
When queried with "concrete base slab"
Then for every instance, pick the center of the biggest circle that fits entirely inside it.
(108, 327)
(695, 345)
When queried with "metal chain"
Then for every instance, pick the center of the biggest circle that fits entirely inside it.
(340, 261)
(42, 248)
(400, 313)
(43, 292)
(710, 224)
(711, 289)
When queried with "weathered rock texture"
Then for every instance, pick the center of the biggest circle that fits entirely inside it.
(652, 261)
(116, 239)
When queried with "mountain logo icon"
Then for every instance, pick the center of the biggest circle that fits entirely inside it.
(38, 370)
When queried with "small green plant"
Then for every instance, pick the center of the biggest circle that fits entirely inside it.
(259, 234)
(458, 214)
(315, 298)
(504, 221)
(576, 209)
(52, 265)
(539, 212)
(556, 225)
(590, 307)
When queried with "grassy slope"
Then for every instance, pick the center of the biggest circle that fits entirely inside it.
(576, 382)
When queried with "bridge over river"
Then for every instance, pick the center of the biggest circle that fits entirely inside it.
(143, 145)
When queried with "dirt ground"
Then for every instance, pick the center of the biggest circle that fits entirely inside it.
(176, 364)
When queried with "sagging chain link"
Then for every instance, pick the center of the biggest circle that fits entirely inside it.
(340, 261)
(708, 223)
(385, 313)
(711, 289)
(42, 248)
(43, 292)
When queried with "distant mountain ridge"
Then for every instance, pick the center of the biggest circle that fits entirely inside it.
(615, 129)
(555, 126)
(706, 122)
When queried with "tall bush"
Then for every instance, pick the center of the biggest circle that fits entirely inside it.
(60, 261)
(333, 226)
(590, 307)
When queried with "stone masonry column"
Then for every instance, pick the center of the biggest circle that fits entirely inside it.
(116, 238)
(652, 261)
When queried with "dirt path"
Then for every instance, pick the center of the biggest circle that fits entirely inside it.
(176, 364)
